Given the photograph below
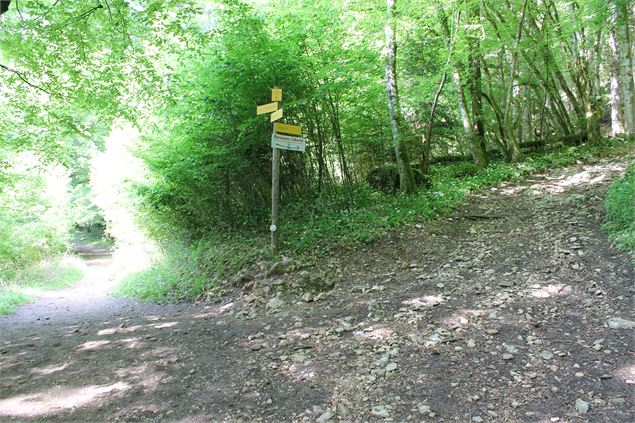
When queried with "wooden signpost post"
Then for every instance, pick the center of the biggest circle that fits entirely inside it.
(283, 137)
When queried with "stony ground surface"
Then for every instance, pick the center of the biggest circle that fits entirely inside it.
(514, 308)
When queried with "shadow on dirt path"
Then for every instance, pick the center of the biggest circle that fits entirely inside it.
(504, 311)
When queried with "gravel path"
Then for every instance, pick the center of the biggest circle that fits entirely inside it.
(514, 308)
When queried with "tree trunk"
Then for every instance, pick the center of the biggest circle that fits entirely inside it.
(618, 125)
(515, 153)
(426, 138)
(478, 132)
(625, 48)
(406, 178)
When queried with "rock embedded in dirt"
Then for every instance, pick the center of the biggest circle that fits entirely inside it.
(325, 417)
(241, 278)
(581, 406)
(342, 410)
(283, 266)
(382, 411)
(319, 297)
(619, 323)
(424, 409)
(390, 367)
(275, 304)
(314, 282)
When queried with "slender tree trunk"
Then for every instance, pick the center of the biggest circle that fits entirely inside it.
(406, 177)
(426, 138)
(617, 103)
(478, 133)
(515, 153)
(625, 48)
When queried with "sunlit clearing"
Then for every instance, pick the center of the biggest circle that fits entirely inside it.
(551, 291)
(92, 345)
(113, 172)
(57, 399)
(379, 333)
(425, 301)
(49, 369)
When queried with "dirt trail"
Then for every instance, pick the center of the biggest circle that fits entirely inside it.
(497, 313)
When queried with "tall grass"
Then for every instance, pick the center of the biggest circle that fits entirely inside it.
(620, 212)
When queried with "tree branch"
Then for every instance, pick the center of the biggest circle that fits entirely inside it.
(24, 79)
(90, 12)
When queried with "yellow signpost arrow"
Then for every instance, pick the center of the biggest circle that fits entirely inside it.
(267, 108)
(276, 115)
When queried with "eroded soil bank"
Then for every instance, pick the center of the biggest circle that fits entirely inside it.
(507, 310)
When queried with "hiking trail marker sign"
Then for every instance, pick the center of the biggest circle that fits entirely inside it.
(283, 137)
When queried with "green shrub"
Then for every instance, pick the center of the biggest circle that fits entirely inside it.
(620, 211)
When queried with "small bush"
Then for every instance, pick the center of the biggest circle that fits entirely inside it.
(620, 211)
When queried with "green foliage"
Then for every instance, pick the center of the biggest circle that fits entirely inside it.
(31, 281)
(620, 211)
(34, 217)
(145, 112)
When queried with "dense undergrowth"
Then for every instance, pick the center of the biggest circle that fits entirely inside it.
(620, 212)
(311, 229)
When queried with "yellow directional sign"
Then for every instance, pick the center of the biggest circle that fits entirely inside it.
(276, 115)
(267, 108)
(276, 94)
(287, 129)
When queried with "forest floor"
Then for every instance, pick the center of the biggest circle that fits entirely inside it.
(513, 308)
